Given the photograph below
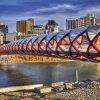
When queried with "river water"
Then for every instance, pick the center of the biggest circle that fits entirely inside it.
(46, 73)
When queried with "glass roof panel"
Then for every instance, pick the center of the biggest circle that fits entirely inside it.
(61, 34)
(75, 32)
(95, 28)
(29, 38)
(42, 36)
(50, 35)
(34, 38)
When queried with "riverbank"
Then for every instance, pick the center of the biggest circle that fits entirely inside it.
(34, 59)
(16, 59)
(81, 91)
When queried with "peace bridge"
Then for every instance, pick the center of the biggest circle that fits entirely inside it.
(77, 44)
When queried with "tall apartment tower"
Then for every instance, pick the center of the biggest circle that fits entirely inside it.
(88, 20)
(79, 23)
(32, 21)
(23, 26)
(70, 24)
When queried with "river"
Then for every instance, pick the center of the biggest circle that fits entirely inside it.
(46, 73)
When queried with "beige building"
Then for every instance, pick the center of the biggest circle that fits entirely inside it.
(32, 21)
(79, 23)
(88, 20)
(97, 21)
(23, 27)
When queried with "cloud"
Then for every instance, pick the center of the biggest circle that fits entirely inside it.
(59, 9)
(42, 10)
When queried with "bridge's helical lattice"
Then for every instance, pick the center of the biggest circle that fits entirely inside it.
(81, 44)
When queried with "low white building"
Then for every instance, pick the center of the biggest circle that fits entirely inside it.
(1, 38)
(51, 26)
(11, 36)
(37, 29)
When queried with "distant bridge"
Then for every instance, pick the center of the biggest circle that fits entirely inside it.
(77, 44)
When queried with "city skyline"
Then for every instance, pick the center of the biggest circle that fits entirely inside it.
(42, 10)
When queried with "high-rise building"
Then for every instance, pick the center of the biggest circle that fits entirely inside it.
(70, 24)
(23, 27)
(51, 26)
(88, 20)
(79, 23)
(32, 21)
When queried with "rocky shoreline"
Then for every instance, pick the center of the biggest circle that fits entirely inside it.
(86, 90)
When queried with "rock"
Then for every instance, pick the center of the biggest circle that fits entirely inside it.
(81, 84)
(61, 89)
(76, 85)
(43, 89)
(91, 92)
(69, 85)
(57, 84)
(58, 88)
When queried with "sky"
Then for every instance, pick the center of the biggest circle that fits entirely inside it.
(44, 10)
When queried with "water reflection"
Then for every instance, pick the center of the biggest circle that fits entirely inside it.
(46, 73)
(14, 77)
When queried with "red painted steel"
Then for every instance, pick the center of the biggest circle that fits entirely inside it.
(78, 44)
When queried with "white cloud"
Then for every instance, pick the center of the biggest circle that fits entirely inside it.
(67, 6)
(94, 10)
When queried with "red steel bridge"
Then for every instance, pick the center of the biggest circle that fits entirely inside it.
(76, 44)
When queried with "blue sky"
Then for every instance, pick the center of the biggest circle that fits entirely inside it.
(42, 10)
